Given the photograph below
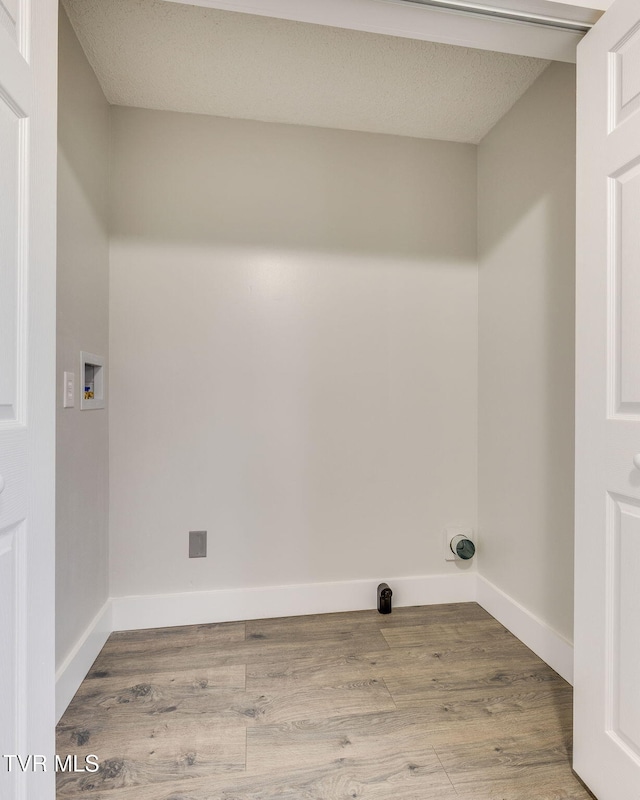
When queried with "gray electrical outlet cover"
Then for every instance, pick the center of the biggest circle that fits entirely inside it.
(197, 544)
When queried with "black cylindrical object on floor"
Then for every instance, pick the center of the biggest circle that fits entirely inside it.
(384, 598)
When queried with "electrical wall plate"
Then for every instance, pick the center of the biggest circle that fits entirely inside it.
(449, 533)
(197, 544)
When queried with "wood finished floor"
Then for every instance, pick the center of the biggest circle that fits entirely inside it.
(428, 702)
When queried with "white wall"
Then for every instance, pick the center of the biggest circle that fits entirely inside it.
(526, 202)
(82, 300)
(294, 352)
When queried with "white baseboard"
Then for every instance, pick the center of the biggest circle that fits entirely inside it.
(546, 643)
(74, 668)
(224, 605)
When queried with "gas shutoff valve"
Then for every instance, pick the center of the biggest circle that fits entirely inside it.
(384, 598)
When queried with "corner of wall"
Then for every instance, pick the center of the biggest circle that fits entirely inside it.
(82, 477)
(526, 256)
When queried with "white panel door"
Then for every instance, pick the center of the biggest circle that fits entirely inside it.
(28, 48)
(607, 620)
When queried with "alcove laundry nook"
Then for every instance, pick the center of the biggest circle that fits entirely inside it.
(348, 305)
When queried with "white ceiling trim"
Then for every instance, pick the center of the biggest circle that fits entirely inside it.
(397, 18)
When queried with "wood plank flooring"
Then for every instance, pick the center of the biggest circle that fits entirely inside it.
(428, 702)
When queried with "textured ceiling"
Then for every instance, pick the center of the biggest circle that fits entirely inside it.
(170, 56)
